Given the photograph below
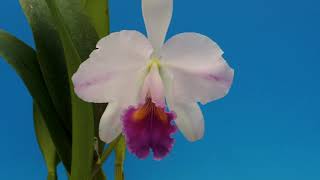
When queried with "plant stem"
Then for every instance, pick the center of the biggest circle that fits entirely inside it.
(105, 155)
(119, 175)
(52, 176)
(120, 151)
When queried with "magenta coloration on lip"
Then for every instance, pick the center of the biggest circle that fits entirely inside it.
(149, 127)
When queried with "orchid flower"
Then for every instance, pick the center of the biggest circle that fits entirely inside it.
(141, 78)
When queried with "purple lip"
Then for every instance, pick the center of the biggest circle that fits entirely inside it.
(148, 127)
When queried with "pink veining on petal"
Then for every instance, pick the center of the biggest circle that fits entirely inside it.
(91, 82)
(149, 127)
(223, 80)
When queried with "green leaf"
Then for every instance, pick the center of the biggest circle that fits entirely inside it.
(24, 60)
(50, 50)
(82, 113)
(98, 12)
(50, 56)
(45, 143)
(81, 31)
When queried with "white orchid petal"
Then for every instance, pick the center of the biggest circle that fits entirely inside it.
(110, 124)
(157, 16)
(189, 120)
(113, 70)
(153, 84)
(124, 49)
(189, 116)
(200, 73)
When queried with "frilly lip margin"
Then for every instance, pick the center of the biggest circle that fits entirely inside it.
(141, 139)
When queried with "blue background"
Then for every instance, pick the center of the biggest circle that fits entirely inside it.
(266, 128)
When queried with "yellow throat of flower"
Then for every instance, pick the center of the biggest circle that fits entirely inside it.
(154, 61)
